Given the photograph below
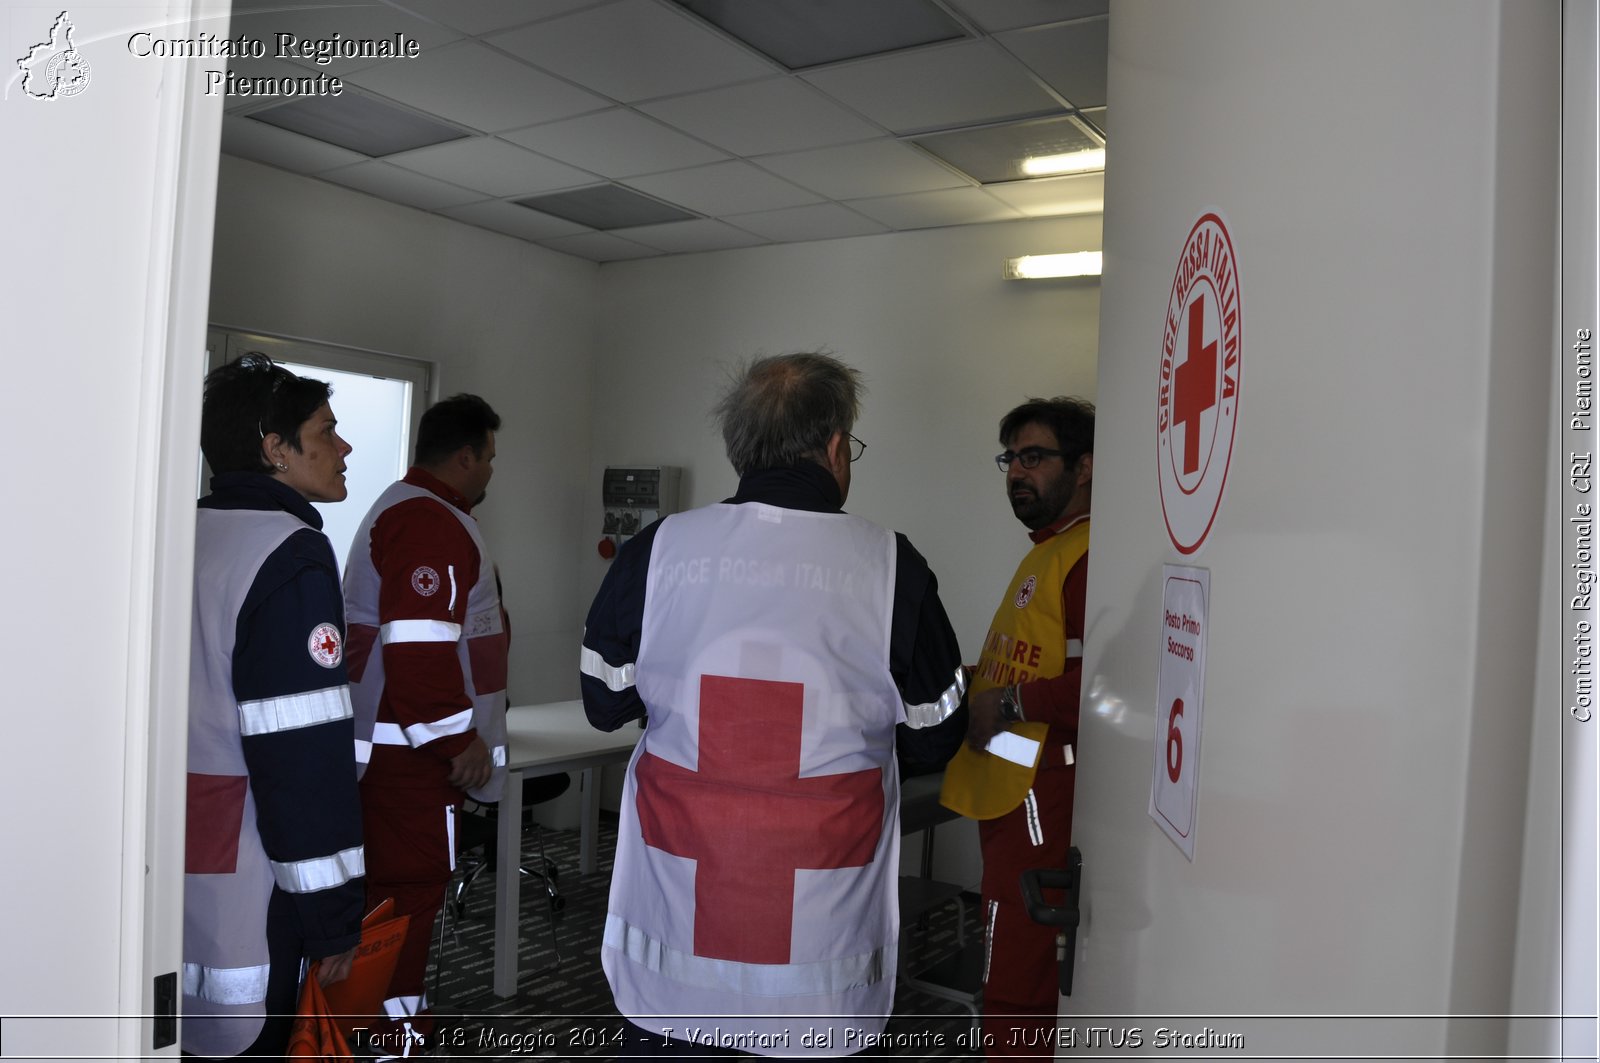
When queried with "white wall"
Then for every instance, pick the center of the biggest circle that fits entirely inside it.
(105, 204)
(1375, 565)
(946, 346)
(501, 318)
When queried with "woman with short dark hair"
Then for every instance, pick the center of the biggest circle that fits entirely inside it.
(274, 865)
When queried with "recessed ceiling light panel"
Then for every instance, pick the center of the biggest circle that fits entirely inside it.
(358, 122)
(805, 33)
(606, 207)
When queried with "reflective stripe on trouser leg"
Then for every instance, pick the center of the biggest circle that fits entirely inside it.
(1030, 807)
(988, 937)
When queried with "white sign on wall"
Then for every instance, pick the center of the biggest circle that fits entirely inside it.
(1180, 697)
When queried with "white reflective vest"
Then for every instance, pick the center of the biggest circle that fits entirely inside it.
(225, 958)
(758, 851)
(482, 623)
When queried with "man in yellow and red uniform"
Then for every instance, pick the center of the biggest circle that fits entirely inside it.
(428, 654)
(1015, 775)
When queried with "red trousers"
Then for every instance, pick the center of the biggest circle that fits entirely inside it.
(1021, 974)
(410, 846)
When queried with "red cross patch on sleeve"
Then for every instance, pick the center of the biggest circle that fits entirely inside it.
(425, 581)
(326, 647)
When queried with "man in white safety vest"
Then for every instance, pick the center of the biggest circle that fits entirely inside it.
(782, 653)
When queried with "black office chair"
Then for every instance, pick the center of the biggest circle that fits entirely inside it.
(477, 851)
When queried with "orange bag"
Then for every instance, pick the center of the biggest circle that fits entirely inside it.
(315, 1034)
(358, 998)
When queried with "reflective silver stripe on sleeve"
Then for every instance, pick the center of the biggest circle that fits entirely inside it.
(934, 712)
(1066, 754)
(419, 631)
(1074, 648)
(226, 985)
(363, 752)
(320, 872)
(1011, 746)
(1035, 831)
(749, 979)
(451, 608)
(388, 734)
(420, 734)
(498, 755)
(292, 711)
(593, 665)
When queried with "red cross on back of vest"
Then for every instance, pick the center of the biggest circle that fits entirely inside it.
(749, 820)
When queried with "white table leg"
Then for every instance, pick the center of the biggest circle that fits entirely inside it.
(589, 828)
(508, 887)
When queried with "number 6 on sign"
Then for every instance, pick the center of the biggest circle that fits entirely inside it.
(1174, 741)
(1180, 686)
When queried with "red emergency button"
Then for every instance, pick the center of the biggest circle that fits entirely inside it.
(607, 548)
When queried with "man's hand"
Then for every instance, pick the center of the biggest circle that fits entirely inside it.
(471, 768)
(983, 717)
(331, 969)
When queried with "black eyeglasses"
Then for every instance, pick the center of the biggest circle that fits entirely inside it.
(857, 448)
(1027, 457)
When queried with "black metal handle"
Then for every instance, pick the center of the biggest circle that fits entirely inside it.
(1063, 916)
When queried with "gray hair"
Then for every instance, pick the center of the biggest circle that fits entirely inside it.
(782, 409)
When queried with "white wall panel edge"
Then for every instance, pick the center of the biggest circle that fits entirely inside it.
(1521, 213)
(162, 537)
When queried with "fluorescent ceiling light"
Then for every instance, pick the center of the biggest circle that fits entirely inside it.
(1036, 267)
(1074, 162)
(993, 153)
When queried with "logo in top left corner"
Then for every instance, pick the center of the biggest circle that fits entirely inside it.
(54, 69)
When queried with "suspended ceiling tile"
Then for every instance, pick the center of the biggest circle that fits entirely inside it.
(400, 186)
(723, 188)
(250, 139)
(599, 247)
(1070, 57)
(617, 143)
(779, 114)
(923, 210)
(1049, 196)
(680, 237)
(857, 171)
(477, 17)
(937, 87)
(819, 221)
(997, 15)
(311, 23)
(634, 50)
(512, 220)
(479, 87)
(492, 166)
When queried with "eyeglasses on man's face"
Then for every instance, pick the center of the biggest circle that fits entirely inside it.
(1027, 457)
(857, 448)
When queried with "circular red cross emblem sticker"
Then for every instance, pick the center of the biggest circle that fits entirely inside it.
(1198, 404)
(325, 645)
